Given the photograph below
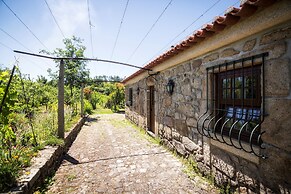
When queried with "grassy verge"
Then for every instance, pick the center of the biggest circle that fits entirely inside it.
(142, 132)
(24, 142)
(102, 111)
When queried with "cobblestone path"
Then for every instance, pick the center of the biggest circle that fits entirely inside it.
(110, 156)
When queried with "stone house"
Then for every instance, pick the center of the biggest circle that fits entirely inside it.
(223, 97)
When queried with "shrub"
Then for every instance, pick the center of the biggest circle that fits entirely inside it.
(88, 107)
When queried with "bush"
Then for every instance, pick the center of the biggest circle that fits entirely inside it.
(11, 161)
(8, 174)
(88, 107)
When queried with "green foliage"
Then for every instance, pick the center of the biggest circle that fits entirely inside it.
(28, 120)
(88, 107)
(53, 141)
(11, 161)
(105, 94)
(75, 70)
(100, 110)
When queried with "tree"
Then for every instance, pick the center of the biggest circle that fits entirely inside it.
(75, 70)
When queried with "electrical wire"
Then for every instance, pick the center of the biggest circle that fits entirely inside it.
(24, 24)
(54, 18)
(18, 43)
(15, 40)
(26, 58)
(6, 46)
(188, 28)
(218, 14)
(173, 39)
(9, 48)
(150, 30)
(90, 26)
(119, 29)
(36, 65)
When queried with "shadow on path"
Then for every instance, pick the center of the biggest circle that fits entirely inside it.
(70, 159)
(73, 161)
(91, 120)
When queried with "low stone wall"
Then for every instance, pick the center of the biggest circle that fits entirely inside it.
(46, 163)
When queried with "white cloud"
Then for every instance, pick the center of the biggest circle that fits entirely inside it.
(72, 17)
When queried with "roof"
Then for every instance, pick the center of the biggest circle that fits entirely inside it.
(230, 18)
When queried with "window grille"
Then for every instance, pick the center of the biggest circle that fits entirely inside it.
(235, 104)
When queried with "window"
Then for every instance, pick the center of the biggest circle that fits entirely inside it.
(235, 103)
(239, 102)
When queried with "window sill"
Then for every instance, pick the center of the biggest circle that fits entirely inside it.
(240, 153)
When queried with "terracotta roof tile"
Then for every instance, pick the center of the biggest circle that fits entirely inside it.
(231, 17)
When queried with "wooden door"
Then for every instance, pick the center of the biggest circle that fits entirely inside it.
(151, 109)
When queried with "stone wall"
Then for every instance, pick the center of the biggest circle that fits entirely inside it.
(177, 114)
(46, 163)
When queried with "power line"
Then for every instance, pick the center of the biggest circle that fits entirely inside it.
(6, 46)
(187, 27)
(90, 26)
(119, 29)
(18, 43)
(150, 29)
(9, 48)
(37, 65)
(54, 18)
(24, 24)
(15, 39)
(218, 14)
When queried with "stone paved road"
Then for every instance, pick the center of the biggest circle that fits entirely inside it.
(110, 156)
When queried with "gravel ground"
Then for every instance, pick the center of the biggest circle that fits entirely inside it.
(110, 156)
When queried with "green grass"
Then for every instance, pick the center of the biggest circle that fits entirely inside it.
(23, 147)
(102, 111)
(71, 177)
(70, 122)
(54, 141)
(119, 124)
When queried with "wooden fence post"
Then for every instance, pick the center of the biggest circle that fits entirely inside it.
(61, 100)
(82, 100)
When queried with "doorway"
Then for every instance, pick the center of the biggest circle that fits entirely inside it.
(151, 109)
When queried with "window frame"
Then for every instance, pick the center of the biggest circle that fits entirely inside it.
(242, 104)
(207, 122)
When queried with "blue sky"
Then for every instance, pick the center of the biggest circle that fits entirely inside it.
(72, 17)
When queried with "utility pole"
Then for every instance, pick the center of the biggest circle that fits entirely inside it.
(82, 100)
(61, 101)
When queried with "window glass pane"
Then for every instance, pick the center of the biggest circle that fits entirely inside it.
(226, 93)
(226, 82)
(238, 93)
(248, 93)
(250, 81)
(238, 82)
(238, 87)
